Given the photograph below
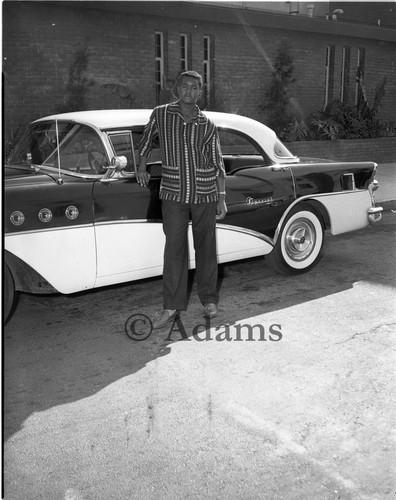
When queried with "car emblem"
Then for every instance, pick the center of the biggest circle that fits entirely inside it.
(45, 215)
(72, 212)
(254, 201)
(17, 218)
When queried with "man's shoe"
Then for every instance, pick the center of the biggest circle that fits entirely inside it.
(210, 310)
(165, 318)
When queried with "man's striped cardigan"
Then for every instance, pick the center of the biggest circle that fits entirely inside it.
(190, 153)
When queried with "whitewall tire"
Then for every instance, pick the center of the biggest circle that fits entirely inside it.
(8, 291)
(299, 246)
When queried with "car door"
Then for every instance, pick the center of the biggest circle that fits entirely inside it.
(258, 192)
(128, 226)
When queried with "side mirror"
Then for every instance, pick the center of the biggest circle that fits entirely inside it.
(119, 163)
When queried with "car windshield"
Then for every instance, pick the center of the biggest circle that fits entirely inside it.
(80, 147)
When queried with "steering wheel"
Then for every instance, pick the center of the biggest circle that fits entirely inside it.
(96, 161)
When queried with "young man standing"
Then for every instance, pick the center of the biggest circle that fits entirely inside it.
(192, 185)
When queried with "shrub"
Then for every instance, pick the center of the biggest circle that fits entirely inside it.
(278, 106)
(296, 130)
(344, 121)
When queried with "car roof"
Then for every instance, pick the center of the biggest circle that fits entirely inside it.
(114, 118)
(125, 118)
(104, 118)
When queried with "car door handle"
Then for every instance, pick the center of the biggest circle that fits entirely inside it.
(279, 169)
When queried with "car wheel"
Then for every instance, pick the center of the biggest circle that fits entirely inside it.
(300, 243)
(9, 292)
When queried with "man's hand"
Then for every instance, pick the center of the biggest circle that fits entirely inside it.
(143, 178)
(221, 208)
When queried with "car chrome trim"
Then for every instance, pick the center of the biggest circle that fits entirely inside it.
(372, 187)
(53, 170)
(374, 215)
(47, 229)
(219, 225)
(128, 221)
(72, 212)
(249, 232)
(17, 218)
(45, 215)
(69, 172)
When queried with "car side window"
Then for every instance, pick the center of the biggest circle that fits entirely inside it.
(81, 150)
(155, 156)
(123, 146)
(239, 151)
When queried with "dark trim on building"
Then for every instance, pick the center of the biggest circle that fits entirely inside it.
(231, 15)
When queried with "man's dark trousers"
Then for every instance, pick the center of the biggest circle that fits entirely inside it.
(175, 278)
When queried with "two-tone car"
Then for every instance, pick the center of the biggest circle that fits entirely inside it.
(75, 218)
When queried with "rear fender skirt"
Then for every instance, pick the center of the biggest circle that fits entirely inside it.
(344, 211)
(65, 258)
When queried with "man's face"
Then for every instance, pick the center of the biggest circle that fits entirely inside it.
(189, 90)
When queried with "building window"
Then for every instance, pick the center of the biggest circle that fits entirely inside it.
(184, 52)
(207, 56)
(345, 65)
(159, 64)
(359, 75)
(329, 84)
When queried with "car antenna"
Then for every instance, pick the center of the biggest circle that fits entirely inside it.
(60, 180)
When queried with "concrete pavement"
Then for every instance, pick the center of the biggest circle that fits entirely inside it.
(92, 415)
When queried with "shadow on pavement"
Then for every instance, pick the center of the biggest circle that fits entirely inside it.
(60, 349)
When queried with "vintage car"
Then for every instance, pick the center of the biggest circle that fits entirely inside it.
(75, 218)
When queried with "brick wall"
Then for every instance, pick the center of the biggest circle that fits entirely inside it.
(382, 150)
(41, 41)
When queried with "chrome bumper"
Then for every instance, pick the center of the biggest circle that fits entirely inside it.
(374, 213)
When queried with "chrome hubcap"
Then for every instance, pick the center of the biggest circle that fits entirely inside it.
(300, 239)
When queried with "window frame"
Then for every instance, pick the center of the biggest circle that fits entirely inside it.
(329, 75)
(360, 59)
(207, 67)
(128, 133)
(259, 152)
(345, 71)
(159, 63)
(184, 52)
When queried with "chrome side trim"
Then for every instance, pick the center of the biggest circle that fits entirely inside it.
(53, 170)
(219, 225)
(326, 195)
(48, 229)
(128, 221)
(78, 226)
(227, 227)
(249, 232)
